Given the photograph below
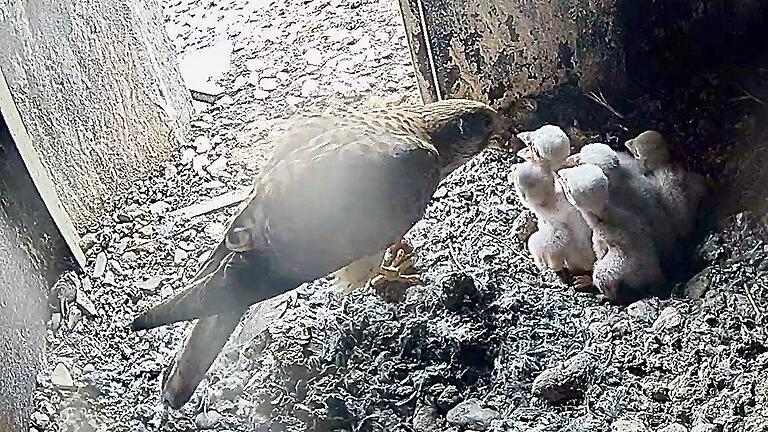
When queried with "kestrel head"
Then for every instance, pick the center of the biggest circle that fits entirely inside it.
(650, 149)
(533, 184)
(585, 186)
(547, 145)
(461, 128)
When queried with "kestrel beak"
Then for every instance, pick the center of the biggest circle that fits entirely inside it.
(564, 187)
(505, 142)
(504, 138)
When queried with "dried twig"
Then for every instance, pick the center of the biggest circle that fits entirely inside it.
(747, 96)
(600, 99)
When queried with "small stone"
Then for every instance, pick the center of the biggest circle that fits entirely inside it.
(166, 291)
(55, 322)
(88, 241)
(203, 144)
(698, 285)
(585, 423)
(89, 369)
(668, 319)
(123, 217)
(187, 246)
(643, 311)
(566, 380)
(269, 84)
(471, 415)
(314, 57)
(170, 172)
(100, 266)
(40, 420)
(705, 427)
(180, 256)
(144, 412)
(187, 156)
(67, 286)
(117, 267)
(74, 317)
(199, 163)
(239, 82)
(424, 418)
(61, 377)
(159, 207)
(207, 420)
(448, 398)
(487, 253)
(218, 167)
(260, 94)
(628, 426)
(231, 387)
(225, 101)
(309, 87)
(109, 278)
(256, 64)
(129, 257)
(86, 304)
(214, 230)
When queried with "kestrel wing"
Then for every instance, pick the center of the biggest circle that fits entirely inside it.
(349, 193)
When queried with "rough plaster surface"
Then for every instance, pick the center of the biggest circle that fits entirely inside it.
(22, 331)
(98, 88)
(499, 51)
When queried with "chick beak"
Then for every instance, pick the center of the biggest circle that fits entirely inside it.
(572, 161)
(564, 187)
(629, 144)
(526, 153)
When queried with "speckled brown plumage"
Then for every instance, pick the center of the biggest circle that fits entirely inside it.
(336, 189)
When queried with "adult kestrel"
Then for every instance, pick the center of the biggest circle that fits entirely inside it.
(338, 190)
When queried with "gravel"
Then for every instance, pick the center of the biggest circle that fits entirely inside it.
(488, 343)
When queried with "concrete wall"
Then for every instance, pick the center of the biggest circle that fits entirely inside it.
(498, 51)
(32, 255)
(22, 329)
(99, 91)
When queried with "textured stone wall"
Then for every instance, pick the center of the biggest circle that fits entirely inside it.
(98, 88)
(497, 51)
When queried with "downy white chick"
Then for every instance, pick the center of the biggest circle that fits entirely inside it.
(560, 223)
(564, 238)
(547, 146)
(631, 191)
(681, 191)
(629, 268)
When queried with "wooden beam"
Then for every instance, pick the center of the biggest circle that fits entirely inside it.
(414, 20)
(37, 171)
(211, 205)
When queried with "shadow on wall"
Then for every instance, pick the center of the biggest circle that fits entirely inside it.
(22, 330)
(32, 256)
